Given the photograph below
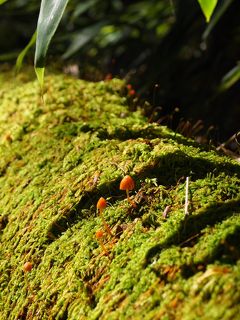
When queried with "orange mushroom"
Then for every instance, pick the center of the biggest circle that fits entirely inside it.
(127, 184)
(101, 205)
(99, 236)
(27, 266)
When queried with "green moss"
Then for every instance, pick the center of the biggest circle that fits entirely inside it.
(58, 158)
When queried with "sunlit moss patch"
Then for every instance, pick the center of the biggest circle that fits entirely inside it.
(58, 157)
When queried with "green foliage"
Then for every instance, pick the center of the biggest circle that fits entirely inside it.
(51, 12)
(22, 55)
(224, 5)
(230, 78)
(40, 75)
(3, 1)
(208, 7)
(82, 38)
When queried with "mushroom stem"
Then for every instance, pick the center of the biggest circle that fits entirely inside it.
(99, 236)
(106, 226)
(103, 246)
(133, 204)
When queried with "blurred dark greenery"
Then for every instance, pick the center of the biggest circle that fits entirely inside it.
(163, 47)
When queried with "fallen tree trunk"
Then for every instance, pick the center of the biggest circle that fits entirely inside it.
(57, 160)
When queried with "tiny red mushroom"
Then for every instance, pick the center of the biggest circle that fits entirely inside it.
(99, 236)
(127, 184)
(108, 77)
(27, 266)
(132, 92)
(101, 205)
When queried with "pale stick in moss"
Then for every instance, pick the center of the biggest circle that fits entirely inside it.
(186, 197)
(166, 211)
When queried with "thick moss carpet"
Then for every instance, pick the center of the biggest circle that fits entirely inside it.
(58, 158)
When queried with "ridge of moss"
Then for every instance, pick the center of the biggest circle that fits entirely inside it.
(58, 158)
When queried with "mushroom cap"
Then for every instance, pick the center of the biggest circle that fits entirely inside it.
(102, 203)
(99, 234)
(127, 183)
(27, 266)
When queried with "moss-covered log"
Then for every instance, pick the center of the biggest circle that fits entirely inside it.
(58, 158)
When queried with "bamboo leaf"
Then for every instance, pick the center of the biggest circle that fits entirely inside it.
(9, 56)
(23, 53)
(51, 12)
(230, 78)
(208, 7)
(81, 38)
(82, 7)
(222, 8)
(40, 75)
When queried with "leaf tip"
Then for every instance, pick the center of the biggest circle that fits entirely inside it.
(40, 75)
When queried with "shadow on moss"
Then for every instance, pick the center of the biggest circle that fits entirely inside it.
(189, 233)
(168, 169)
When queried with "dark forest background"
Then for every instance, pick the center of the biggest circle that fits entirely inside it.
(185, 68)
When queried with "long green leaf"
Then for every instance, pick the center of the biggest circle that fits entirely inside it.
(230, 78)
(40, 75)
(9, 56)
(82, 7)
(3, 1)
(81, 38)
(222, 8)
(208, 7)
(24, 52)
(51, 12)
